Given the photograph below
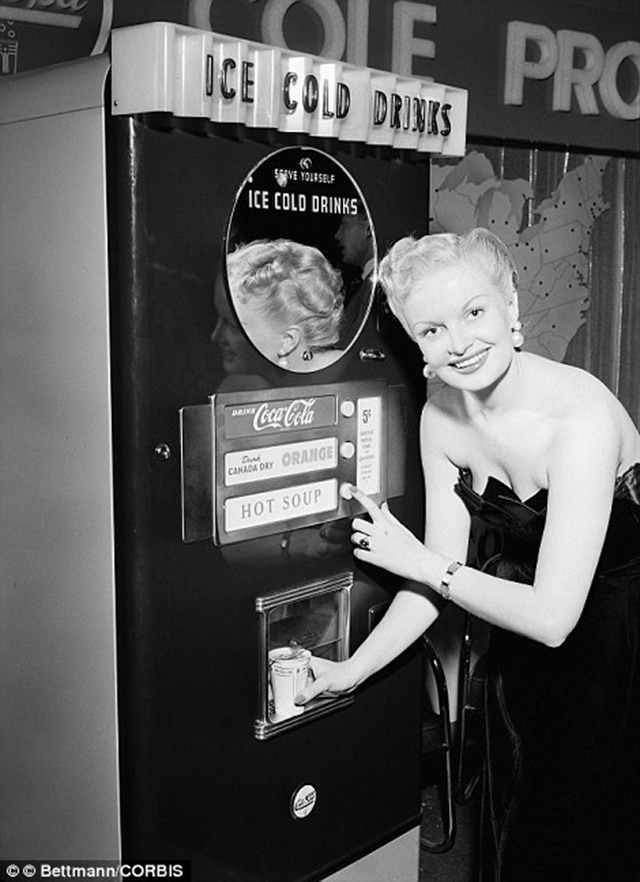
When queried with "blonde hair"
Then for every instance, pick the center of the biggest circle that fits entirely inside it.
(411, 259)
(293, 283)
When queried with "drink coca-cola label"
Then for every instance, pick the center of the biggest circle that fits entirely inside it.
(287, 415)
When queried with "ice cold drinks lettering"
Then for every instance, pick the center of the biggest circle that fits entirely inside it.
(285, 200)
(294, 415)
(281, 200)
(259, 199)
(334, 100)
(409, 113)
(334, 204)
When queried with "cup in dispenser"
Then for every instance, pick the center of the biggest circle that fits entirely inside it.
(288, 673)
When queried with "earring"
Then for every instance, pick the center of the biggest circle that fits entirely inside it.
(307, 355)
(283, 362)
(428, 372)
(516, 334)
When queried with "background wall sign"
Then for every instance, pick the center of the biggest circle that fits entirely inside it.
(554, 72)
(561, 72)
(35, 33)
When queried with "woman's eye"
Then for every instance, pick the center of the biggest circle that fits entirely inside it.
(475, 312)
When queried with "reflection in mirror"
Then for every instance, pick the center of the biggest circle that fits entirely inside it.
(289, 300)
(300, 259)
(243, 367)
(355, 240)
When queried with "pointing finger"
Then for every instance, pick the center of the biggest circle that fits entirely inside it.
(386, 511)
(365, 501)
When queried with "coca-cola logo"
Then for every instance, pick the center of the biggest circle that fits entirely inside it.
(295, 414)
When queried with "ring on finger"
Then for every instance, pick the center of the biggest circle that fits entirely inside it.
(364, 543)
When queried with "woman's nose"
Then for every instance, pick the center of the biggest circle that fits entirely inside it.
(459, 339)
(216, 334)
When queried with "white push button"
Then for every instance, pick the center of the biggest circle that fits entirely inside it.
(347, 408)
(345, 491)
(347, 450)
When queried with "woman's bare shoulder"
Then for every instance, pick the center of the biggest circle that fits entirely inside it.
(568, 386)
(443, 425)
(579, 404)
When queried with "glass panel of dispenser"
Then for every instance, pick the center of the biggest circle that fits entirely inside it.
(296, 624)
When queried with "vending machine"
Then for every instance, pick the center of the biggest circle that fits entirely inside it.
(177, 501)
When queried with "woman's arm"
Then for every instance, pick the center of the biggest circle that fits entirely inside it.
(416, 606)
(582, 466)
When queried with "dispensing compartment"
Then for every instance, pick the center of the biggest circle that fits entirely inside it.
(306, 620)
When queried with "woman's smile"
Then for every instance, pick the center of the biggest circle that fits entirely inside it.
(471, 363)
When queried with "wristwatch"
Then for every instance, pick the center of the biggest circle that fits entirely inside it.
(450, 572)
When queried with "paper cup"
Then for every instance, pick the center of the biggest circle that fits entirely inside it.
(288, 671)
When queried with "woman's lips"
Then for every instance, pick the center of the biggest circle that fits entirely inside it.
(471, 362)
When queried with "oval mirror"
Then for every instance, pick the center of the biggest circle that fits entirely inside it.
(300, 259)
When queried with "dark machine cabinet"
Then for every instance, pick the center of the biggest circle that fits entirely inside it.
(200, 778)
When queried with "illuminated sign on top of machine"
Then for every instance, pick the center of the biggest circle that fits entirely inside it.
(191, 73)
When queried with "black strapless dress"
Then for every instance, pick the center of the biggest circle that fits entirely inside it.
(562, 787)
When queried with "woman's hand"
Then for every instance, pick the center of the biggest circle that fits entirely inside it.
(387, 543)
(329, 678)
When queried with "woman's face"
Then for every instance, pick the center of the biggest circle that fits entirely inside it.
(263, 330)
(237, 355)
(462, 323)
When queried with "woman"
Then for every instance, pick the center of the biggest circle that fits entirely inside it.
(547, 454)
(243, 367)
(289, 300)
